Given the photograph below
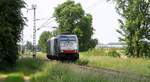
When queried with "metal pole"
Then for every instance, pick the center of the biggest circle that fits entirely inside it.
(34, 32)
(22, 46)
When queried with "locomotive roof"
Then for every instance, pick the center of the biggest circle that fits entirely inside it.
(62, 35)
(66, 35)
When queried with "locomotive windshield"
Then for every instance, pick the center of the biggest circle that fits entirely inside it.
(68, 42)
(67, 38)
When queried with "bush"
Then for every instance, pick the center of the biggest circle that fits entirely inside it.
(113, 53)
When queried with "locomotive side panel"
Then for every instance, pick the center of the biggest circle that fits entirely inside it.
(51, 47)
(48, 47)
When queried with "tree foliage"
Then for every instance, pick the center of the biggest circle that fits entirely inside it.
(135, 26)
(29, 46)
(43, 40)
(11, 25)
(72, 19)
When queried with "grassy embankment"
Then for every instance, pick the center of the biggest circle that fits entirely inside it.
(24, 67)
(96, 58)
(62, 72)
(52, 71)
(102, 58)
(14, 78)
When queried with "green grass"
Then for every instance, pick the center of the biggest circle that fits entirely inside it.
(133, 65)
(27, 66)
(52, 71)
(14, 78)
(101, 52)
(62, 72)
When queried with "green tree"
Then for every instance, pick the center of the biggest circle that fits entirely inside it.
(11, 25)
(29, 46)
(43, 40)
(72, 19)
(135, 26)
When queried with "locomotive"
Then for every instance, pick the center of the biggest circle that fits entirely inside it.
(63, 47)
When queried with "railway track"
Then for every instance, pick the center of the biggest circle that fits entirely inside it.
(115, 73)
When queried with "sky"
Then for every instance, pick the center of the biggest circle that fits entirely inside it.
(104, 18)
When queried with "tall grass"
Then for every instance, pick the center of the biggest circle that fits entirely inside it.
(103, 52)
(27, 66)
(60, 72)
(135, 65)
(53, 71)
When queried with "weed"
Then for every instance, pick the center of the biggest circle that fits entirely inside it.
(62, 72)
(113, 53)
(82, 62)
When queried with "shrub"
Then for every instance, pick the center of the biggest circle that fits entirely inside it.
(113, 53)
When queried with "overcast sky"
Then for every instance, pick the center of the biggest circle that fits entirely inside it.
(104, 18)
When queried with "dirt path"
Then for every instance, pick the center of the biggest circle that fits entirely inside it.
(2, 78)
(26, 79)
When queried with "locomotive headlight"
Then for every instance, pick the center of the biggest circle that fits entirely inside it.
(61, 51)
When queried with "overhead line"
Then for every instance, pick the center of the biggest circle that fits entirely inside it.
(45, 23)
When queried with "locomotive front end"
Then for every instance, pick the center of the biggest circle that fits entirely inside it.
(68, 45)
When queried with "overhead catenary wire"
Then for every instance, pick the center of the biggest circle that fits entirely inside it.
(34, 6)
(48, 21)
